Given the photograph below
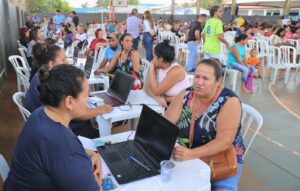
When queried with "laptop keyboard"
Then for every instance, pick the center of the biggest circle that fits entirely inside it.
(128, 149)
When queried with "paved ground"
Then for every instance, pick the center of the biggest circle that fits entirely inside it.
(271, 164)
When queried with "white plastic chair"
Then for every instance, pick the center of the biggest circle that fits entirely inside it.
(99, 55)
(23, 52)
(23, 73)
(191, 78)
(18, 98)
(277, 60)
(233, 77)
(144, 68)
(23, 80)
(4, 168)
(248, 116)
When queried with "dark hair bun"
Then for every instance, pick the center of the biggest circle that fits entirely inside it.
(44, 73)
(39, 49)
(166, 41)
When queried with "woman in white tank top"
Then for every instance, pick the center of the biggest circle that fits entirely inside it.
(166, 78)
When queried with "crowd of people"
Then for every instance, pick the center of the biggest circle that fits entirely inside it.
(48, 154)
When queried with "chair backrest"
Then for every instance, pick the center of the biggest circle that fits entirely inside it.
(166, 36)
(191, 78)
(248, 116)
(4, 168)
(22, 78)
(288, 55)
(144, 68)
(23, 52)
(99, 55)
(295, 43)
(19, 61)
(18, 98)
(273, 55)
(21, 46)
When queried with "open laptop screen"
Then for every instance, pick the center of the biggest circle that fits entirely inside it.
(156, 134)
(121, 85)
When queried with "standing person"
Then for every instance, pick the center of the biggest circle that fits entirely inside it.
(58, 19)
(48, 155)
(75, 19)
(213, 35)
(69, 19)
(194, 36)
(134, 24)
(35, 19)
(149, 32)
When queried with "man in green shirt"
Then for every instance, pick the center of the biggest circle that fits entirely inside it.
(213, 35)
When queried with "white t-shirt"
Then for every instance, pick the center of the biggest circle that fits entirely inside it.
(81, 37)
(147, 26)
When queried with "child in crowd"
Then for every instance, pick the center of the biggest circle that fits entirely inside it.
(254, 61)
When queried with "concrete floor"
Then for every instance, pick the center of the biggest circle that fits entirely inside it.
(273, 160)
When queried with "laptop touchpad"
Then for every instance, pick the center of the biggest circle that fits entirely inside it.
(113, 157)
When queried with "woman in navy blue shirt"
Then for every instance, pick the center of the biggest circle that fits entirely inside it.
(48, 155)
(46, 55)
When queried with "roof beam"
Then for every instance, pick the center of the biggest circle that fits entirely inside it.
(233, 5)
(286, 7)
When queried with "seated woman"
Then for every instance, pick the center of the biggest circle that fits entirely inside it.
(277, 38)
(127, 60)
(98, 41)
(217, 112)
(24, 36)
(166, 78)
(48, 155)
(49, 56)
(35, 36)
(237, 59)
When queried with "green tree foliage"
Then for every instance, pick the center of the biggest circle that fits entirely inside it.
(207, 4)
(49, 6)
(85, 5)
(104, 3)
(210, 4)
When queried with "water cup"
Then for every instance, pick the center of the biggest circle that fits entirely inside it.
(166, 167)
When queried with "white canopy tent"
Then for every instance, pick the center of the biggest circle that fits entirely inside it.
(266, 3)
(284, 4)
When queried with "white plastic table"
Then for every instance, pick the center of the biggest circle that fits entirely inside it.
(191, 175)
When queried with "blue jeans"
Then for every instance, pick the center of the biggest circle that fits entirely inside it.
(228, 184)
(136, 43)
(192, 58)
(148, 44)
(242, 69)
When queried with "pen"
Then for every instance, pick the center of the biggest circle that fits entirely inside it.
(141, 164)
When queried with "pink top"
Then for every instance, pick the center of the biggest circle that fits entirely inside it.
(288, 36)
(177, 88)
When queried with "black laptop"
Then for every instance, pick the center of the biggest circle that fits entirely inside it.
(119, 89)
(140, 158)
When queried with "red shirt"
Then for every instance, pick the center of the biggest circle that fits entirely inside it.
(95, 42)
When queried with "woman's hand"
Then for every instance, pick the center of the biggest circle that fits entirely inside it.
(106, 108)
(97, 168)
(161, 101)
(98, 71)
(181, 153)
